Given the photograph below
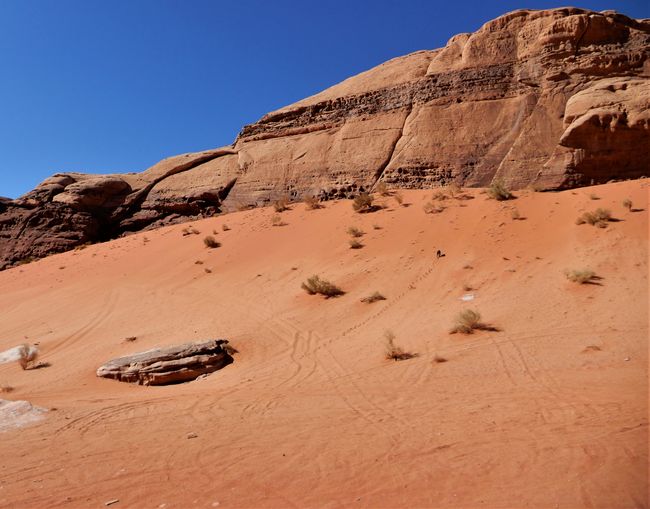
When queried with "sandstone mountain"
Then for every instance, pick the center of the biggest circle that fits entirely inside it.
(556, 98)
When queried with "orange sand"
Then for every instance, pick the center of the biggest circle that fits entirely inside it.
(552, 411)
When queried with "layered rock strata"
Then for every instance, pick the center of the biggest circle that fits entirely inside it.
(167, 366)
(556, 98)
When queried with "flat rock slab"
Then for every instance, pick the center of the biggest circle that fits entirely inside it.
(164, 366)
(16, 414)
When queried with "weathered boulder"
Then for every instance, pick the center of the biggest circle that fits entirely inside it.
(171, 365)
(16, 414)
(557, 98)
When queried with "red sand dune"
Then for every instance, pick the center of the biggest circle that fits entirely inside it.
(551, 411)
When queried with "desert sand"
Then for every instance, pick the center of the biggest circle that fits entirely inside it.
(549, 411)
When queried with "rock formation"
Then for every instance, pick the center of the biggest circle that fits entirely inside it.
(167, 366)
(557, 98)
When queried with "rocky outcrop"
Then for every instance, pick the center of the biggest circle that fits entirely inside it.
(17, 414)
(557, 98)
(71, 209)
(169, 365)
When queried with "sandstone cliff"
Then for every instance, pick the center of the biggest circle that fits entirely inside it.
(558, 98)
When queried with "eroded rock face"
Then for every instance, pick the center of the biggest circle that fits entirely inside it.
(557, 98)
(167, 366)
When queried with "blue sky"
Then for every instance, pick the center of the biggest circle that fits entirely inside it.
(114, 86)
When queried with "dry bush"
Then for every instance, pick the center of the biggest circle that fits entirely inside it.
(315, 285)
(399, 198)
(498, 191)
(210, 242)
(373, 297)
(627, 203)
(515, 215)
(363, 203)
(592, 196)
(281, 205)
(598, 217)
(355, 244)
(276, 220)
(394, 352)
(225, 227)
(432, 208)
(382, 189)
(6, 388)
(467, 321)
(582, 277)
(439, 195)
(454, 189)
(376, 227)
(439, 359)
(190, 231)
(312, 202)
(355, 232)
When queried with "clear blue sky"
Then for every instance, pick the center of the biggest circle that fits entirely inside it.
(114, 86)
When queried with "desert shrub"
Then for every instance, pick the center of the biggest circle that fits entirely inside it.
(454, 189)
(498, 191)
(363, 203)
(6, 388)
(432, 208)
(355, 232)
(598, 217)
(315, 285)
(312, 202)
(592, 196)
(467, 321)
(580, 276)
(355, 244)
(210, 242)
(627, 203)
(439, 359)
(515, 215)
(373, 297)
(376, 227)
(399, 198)
(276, 220)
(392, 351)
(190, 231)
(281, 205)
(439, 195)
(382, 189)
(225, 227)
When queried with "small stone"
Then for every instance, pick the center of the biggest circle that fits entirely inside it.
(626, 359)
(192, 435)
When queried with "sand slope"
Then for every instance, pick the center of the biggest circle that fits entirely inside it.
(551, 411)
